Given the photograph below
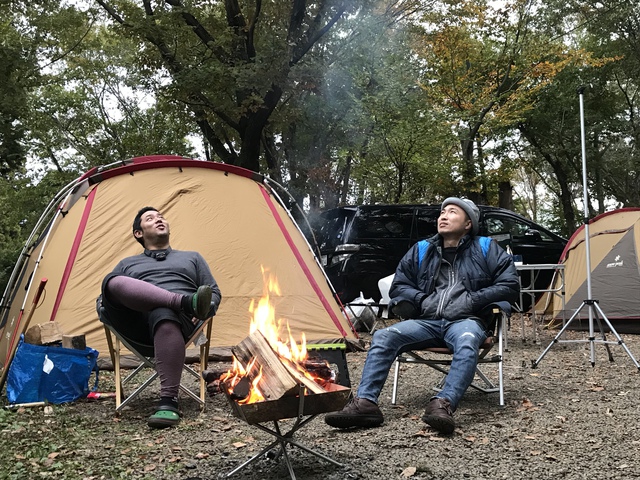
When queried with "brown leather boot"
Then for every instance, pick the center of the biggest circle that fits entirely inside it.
(438, 415)
(357, 413)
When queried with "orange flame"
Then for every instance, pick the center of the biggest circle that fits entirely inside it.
(264, 320)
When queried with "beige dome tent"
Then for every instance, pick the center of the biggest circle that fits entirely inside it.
(232, 216)
(615, 271)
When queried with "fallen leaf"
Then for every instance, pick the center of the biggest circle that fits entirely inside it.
(201, 455)
(53, 454)
(409, 472)
(149, 468)
(239, 444)
(470, 439)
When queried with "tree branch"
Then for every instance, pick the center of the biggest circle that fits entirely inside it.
(201, 32)
(303, 49)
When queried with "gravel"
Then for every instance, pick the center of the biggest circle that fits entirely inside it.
(564, 419)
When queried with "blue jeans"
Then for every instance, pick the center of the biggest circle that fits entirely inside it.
(462, 337)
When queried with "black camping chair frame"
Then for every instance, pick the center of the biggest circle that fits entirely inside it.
(144, 354)
(442, 360)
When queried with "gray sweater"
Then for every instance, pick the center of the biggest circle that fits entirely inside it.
(180, 272)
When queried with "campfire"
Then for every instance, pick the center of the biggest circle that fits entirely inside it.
(272, 378)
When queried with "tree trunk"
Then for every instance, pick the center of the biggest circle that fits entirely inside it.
(505, 195)
(469, 171)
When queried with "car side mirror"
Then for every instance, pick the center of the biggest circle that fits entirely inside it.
(533, 236)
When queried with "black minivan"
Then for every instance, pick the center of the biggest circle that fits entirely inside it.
(361, 244)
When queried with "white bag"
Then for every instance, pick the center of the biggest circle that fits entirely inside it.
(362, 316)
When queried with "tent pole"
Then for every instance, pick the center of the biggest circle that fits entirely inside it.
(11, 349)
(590, 303)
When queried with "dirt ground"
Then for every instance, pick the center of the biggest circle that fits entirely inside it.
(564, 419)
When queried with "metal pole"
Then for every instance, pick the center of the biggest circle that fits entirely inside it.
(589, 303)
(587, 239)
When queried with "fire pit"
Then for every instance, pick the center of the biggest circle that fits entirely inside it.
(335, 398)
(302, 407)
(271, 381)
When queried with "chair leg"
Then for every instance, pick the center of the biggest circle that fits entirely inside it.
(114, 353)
(203, 367)
(204, 363)
(502, 343)
(396, 377)
(115, 343)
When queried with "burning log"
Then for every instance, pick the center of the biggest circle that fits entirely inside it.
(266, 369)
(320, 370)
(276, 381)
(300, 377)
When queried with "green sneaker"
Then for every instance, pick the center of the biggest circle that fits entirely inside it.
(198, 304)
(165, 416)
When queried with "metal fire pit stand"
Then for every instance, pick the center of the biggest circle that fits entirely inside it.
(286, 439)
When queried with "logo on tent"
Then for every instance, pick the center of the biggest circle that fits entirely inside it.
(617, 262)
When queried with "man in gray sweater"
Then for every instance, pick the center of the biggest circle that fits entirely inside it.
(444, 286)
(160, 296)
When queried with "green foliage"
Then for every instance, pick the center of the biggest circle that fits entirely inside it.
(22, 204)
(342, 102)
(17, 70)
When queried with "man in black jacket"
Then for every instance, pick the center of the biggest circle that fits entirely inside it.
(445, 286)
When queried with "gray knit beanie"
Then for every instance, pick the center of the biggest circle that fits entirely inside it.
(470, 209)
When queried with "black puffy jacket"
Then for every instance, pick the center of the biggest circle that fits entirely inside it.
(484, 269)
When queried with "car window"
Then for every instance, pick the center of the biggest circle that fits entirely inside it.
(427, 223)
(331, 230)
(382, 223)
(497, 226)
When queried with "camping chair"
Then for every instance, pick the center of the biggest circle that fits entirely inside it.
(144, 353)
(442, 360)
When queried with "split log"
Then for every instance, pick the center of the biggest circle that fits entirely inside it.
(43, 334)
(276, 380)
(242, 389)
(77, 342)
(300, 377)
(319, 368)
